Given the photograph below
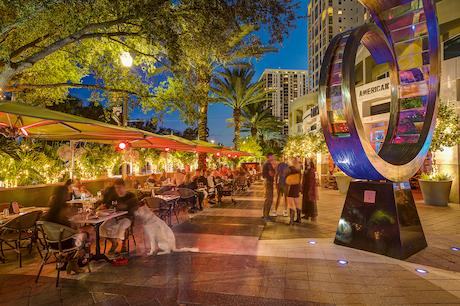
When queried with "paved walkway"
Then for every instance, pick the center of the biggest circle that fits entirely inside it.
(243, 261)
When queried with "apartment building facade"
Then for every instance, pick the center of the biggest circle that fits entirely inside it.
(326, 19)
(289, 84)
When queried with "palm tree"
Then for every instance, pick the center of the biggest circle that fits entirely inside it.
(257, 118)
(235, 89)
(198, 69)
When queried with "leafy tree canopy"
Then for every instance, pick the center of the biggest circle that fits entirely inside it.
(447, 130)
(48, 46)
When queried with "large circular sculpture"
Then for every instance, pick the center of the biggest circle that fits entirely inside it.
(406, 36)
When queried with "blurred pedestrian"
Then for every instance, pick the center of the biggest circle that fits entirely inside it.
(281, 186)
(268, 172)
(309, 191)
(293, 182)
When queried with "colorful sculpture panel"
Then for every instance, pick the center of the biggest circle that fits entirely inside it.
(378, 216)
(406, 37)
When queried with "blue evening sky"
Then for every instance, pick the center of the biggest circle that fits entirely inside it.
(292, 55)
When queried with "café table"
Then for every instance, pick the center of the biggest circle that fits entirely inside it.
(80, 201)
(97, 220)
(4, 219)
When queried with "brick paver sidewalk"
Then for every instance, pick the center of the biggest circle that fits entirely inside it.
(243, 261)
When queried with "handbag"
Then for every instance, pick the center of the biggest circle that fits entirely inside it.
(293, 179)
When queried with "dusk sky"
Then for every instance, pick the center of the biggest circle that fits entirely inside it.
(293, 55)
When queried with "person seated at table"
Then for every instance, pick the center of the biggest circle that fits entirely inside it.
(201, 182)
(151, 179)
(189, 184)
(115, 228)
(163, 178)
(224, 172)
(178, 177)
(211, 187)
(58, 214)
(69, 185)
(219, 185)
(83, 190)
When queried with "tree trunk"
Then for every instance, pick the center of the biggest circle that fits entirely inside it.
(202, 130)
(5, 77)
(254, 132)
(237, 116)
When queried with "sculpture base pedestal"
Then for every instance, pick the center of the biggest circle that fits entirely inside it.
(381, 218)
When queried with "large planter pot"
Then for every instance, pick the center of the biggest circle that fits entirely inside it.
(435, 193)
(343, 182)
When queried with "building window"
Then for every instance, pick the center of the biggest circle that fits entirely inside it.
(339, 12)
(330, 30)
(330, 19)
(452, 48)
(340, 2)
(383, 75)
(330, 2)
(340, 19)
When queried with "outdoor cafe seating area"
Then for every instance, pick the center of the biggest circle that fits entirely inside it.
(24, 230)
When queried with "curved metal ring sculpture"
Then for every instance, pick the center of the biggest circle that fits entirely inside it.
(406, 36)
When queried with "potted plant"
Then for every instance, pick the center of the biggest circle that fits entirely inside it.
(343, 181)
(436, 188)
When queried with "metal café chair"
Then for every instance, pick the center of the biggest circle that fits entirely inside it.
(186, 194)
(56, 237)
(20, 229)
(158, 207)
(173, 203)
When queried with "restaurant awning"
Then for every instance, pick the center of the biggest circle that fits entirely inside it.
(18, 119)
(234, 153)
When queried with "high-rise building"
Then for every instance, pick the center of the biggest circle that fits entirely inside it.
(327, 18)
(289, 85)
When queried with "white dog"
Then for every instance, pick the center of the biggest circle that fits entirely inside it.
(159, 233)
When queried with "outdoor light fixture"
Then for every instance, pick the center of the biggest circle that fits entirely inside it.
(218, 154)
(229, 155)
(312, 242)
(422, 271)
(342, 262)
(167, 149)
(122, 145)
(455, 249)
(126, 59)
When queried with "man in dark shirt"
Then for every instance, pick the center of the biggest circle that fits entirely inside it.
(114, 229)
(200, 181)
(268, 172)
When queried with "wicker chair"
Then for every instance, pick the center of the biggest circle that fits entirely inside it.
(55, 235)
(20, 229)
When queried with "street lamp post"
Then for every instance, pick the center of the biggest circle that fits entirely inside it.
(126, 61)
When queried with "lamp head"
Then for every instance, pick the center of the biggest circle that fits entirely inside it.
(126, 59)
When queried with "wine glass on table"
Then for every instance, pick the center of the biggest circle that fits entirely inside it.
(114, 204)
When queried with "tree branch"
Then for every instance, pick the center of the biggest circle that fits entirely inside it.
(59, 44)
(6, 30)
(21, 87)
(108, 35)
(24, 49)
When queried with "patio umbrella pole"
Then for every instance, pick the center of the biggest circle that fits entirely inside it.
(72, 159)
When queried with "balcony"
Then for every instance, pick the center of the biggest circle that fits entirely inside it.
(311, 113)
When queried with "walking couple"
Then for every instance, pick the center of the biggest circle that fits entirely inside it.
(289, 184)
